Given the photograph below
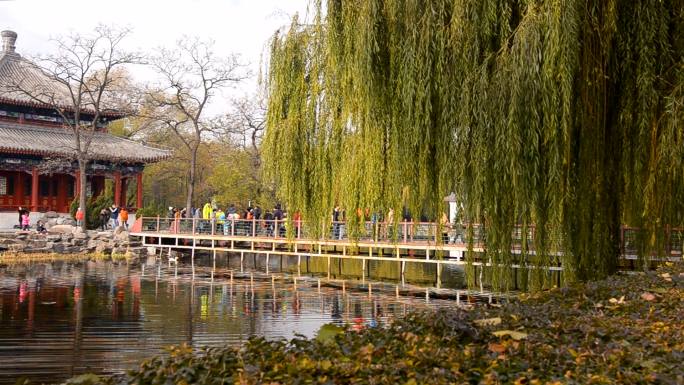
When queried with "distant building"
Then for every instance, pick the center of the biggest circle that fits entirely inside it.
(38, 169)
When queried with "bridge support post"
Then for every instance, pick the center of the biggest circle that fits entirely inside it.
(363, 270)
(403, 271)
(192, 261)
(242, 261)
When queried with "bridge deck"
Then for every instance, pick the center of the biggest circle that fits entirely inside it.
(404, 242)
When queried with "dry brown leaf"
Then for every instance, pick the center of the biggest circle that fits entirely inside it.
(646, 296)
(497, 348)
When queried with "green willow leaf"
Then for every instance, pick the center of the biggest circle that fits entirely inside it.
(553, 121)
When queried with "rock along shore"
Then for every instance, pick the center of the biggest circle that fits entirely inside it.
(68, 239)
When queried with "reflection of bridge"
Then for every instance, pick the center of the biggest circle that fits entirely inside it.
(422, 242)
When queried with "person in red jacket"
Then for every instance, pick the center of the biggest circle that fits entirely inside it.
(79, 217)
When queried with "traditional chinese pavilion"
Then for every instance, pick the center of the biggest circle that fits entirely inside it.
(38, 169)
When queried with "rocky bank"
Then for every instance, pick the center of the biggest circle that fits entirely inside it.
(68, 239)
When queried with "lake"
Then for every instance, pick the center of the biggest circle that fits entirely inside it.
(62, 318)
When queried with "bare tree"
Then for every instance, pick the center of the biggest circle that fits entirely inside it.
(244, 127)
(191, 74)
(80, 78)
(246, 123)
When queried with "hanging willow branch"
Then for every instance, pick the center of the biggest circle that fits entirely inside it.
(559, 119)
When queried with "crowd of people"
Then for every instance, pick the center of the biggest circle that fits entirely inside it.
(223, 221)
(113, 217)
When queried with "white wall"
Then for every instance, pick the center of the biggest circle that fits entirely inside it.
(9, 219)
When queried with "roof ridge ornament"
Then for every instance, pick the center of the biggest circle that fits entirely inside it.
(9, 38)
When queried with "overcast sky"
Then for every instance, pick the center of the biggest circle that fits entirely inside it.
(237, 26)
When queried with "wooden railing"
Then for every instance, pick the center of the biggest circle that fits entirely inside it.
(419, 233)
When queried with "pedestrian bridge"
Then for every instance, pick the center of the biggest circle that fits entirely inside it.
(422, 242)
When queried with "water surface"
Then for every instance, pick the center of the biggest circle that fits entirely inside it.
(60, 319)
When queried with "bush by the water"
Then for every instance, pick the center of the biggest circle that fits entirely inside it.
(626, 329)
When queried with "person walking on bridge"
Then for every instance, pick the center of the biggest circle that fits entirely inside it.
(206, 216)
(206, 211)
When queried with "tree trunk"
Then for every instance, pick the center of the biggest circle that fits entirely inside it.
(83, 193)
(191, 182)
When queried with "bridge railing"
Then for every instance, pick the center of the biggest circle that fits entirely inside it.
(402, 232)
(672, 241)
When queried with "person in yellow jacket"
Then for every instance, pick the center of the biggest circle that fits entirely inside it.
(204, 225)
(206, 211)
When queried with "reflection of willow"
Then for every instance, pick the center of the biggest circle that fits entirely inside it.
(378, 270)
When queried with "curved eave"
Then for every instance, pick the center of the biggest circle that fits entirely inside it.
(26, 103)
(10, 150)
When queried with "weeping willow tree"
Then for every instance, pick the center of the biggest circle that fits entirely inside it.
(559, 119)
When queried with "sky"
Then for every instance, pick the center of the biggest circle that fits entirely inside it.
(236, 26)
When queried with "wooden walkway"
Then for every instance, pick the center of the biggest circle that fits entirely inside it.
(404, 243)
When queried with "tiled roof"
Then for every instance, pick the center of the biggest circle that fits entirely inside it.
(18, 73)
(15, 71)
(57, 141)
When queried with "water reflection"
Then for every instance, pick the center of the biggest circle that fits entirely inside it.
(59, 319)
(414, 272)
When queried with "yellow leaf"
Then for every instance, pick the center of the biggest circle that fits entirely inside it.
(326, 364)
(516, 335)
(488, 321)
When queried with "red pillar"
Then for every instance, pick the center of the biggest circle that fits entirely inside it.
(139, 191)
(124, 192)
(117, 188)
(34, 189)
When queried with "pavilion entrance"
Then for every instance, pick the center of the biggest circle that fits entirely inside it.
(56, 191)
